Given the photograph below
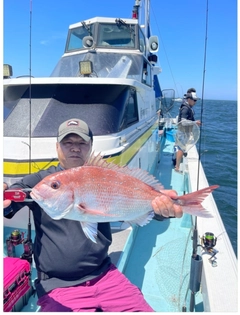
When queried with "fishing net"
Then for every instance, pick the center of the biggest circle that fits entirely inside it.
(173, 277)
(187, 134)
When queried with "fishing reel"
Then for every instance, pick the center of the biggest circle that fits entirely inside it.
(16, 238)
(208, 242)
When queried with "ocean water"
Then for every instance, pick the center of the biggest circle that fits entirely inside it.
(219, 156)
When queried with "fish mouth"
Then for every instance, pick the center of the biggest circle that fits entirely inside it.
(35, 196)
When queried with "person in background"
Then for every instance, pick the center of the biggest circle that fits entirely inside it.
(186, 112)
(73, 273)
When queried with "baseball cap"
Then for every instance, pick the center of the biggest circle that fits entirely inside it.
(192, 95)
(76, 126)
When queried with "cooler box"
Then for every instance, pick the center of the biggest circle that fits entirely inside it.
(17, 284)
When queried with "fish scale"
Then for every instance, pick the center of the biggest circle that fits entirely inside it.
(114, 196)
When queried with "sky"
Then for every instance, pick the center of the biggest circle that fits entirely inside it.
(195, 51)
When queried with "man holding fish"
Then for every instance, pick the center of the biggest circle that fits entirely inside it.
(72, 206)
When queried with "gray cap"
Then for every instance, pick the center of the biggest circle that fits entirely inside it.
(76, 126)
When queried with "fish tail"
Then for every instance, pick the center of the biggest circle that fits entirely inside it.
(191, 203)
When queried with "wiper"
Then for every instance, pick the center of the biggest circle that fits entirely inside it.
(87, 28)
(120, 22)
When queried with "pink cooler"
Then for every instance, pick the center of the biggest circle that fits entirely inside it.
(17, 283)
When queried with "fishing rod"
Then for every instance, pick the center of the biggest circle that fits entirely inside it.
(196, 260)
(16, 237)
(30, 86)
(27, 243)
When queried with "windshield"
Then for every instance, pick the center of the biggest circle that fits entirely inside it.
(76, 35)
(110, 35)
(116, 35)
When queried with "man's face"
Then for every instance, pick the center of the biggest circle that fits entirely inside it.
(191, 102)
(73, 151)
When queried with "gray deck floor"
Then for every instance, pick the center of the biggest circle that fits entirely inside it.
(119, 239)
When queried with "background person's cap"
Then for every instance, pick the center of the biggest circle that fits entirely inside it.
(192, 95)
(76, 126)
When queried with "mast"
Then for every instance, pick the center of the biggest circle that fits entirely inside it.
(147, 18)
(142, 13)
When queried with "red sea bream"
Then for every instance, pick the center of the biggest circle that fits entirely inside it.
(104, 192)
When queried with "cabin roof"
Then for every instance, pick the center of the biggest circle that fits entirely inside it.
(103, 19)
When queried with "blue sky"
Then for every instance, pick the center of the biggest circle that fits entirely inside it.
(180, 26)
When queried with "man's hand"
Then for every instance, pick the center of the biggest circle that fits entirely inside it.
(6, 202)
(198, 122)
(164, 204)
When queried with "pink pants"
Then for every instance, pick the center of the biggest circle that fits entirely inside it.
(112, 292)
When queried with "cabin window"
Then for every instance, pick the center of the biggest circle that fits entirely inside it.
(130, 115)
(116, 35)
(142, 43)
(147, 73)
(75, 37)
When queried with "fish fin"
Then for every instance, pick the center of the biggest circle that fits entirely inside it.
(143, 220)
(191, 203)
(90, 230)
(85, 209)
(144, 176)
(198, 211)
(98, 160)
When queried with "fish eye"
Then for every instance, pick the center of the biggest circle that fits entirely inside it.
(55, 185)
